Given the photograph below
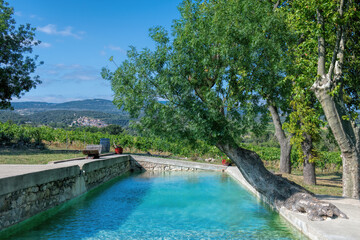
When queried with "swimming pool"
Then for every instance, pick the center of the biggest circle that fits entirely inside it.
(167, 205)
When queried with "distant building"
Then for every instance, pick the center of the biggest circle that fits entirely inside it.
(89, 122)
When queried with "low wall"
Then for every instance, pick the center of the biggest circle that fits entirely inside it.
(25, 195)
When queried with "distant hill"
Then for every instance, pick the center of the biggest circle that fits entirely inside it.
(58, 118)
(100, 105)
(63, 114)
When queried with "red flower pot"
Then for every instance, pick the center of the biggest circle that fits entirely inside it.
(119, 150)
(224, 162)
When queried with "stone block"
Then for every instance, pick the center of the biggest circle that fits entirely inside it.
(35, 189)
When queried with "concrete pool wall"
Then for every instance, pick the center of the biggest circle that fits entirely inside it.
(37, 188)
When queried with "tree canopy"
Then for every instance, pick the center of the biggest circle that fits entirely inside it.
(224, 60)
(327, 64)
(16, 62)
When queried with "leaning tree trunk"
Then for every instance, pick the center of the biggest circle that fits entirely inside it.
(309, 166)
(275, 190)
(285, 146)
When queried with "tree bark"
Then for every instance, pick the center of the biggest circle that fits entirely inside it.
(309, 166)
(346, 134)
(275, 190)
(285, 146)
(347, 139)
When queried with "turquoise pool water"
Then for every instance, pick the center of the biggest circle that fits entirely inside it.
(172, 205)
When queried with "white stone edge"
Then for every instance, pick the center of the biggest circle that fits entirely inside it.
(292, 217)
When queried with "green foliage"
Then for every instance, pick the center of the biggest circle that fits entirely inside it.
(325, 161)
(304, 119)
(265, 153)
(225, 57)
(16, 64)
(329, 160)
(303, 20)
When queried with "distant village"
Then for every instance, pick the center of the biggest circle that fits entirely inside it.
(90, 122)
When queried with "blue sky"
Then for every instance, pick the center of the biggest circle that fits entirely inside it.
(79, 36)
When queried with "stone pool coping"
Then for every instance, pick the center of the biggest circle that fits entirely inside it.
(332, 229)
(180, 163)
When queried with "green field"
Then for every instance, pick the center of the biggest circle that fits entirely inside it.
(35, 156)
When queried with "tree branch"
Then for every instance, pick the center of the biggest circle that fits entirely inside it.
(321, 45)
(276, 5)
(339, 45)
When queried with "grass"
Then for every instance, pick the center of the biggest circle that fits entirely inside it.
(35, 156)
(326, 183)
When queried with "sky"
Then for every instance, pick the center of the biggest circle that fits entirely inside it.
(79, 36)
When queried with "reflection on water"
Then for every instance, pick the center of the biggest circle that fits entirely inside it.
(166, 205)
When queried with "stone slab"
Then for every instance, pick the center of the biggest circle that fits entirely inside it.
(16, 177)
(107, 161)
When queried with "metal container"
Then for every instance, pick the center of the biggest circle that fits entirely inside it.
(105, 143)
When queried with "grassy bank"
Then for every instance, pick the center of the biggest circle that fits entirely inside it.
(35, 156)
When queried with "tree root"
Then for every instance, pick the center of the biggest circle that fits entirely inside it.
(316, 210)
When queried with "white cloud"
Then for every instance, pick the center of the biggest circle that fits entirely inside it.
(45, 45)
(79, 76)
(51, 29)
(34, 16)
(19, 14)
(115, 48)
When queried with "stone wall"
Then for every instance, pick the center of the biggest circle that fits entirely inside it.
(161, 164)
(24, 196)
(150, 166)
(102, 171)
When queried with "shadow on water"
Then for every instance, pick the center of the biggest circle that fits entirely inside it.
(105, 208)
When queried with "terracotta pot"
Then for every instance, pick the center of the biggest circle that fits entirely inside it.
(119, 150)
(224, 162)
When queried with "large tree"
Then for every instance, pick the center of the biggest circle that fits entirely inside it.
(16, 64)
(208, 75)
(328, 56)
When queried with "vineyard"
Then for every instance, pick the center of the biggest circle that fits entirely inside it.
(11, 134)
(20, 135)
